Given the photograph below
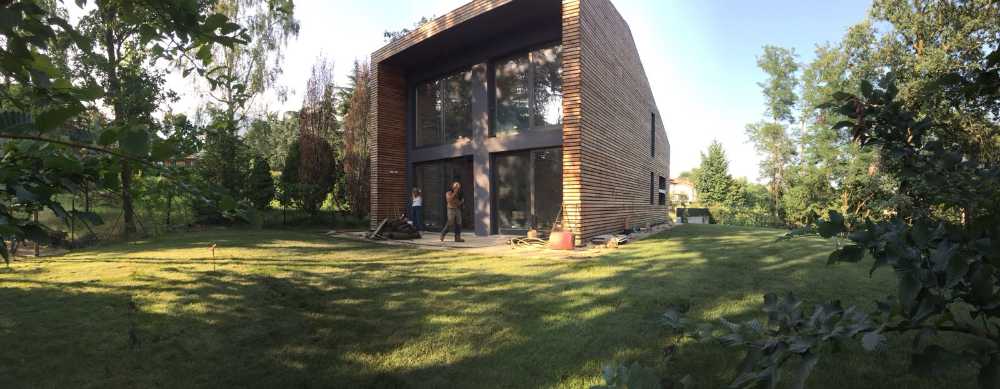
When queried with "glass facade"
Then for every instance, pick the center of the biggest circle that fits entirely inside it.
(444, 110)
(434, 179)
(524, 95)
(527, 189)
(528, 91)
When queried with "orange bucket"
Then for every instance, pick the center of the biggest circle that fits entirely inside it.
(561, 240)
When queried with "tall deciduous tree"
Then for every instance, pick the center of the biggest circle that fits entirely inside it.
(130, 38)
(929, 40)
(271, 136)
(246, 71)
(317, 125)
(771, 136)
(355, 156)
(115, 40)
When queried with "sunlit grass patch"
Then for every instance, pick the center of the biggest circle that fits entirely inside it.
(291, 309)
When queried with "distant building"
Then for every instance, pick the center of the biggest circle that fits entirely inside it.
(188, 161)
(682, 192)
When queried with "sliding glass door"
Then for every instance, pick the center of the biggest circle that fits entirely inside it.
(434, 179)
(528, 190)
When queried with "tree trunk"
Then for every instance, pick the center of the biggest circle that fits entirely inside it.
(170, 201)
(86, 197)
(128, 213)
(37, 246)
(114, 91)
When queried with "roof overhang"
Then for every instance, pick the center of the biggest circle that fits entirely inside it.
(472, 24)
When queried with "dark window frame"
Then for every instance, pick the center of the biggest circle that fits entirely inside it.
(651, 178)
(442, 90)
(652, 135)
(662, 196)
(532, 201)
(492, 90)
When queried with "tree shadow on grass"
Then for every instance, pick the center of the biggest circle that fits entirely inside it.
(404, 318)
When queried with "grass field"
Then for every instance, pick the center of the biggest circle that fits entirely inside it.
(296, 309)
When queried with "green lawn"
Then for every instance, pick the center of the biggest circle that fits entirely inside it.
(296, 309)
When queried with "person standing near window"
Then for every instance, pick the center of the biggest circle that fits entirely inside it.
(454, 199)
(417, 209)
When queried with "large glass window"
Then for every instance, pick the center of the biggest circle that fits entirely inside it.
(528, 191)
(435, 178)
(513, 191)
(528, 91)
(444, 110)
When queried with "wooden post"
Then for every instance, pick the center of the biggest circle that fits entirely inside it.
(170, 201)
(72, 220)
(37, 247)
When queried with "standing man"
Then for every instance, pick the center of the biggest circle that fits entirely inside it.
(454, 199)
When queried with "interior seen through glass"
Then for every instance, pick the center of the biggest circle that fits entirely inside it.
(434, 179)
(528, 190)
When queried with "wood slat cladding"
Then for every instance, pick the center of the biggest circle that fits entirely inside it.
(572, 199)
(387, 139)
(616, 105)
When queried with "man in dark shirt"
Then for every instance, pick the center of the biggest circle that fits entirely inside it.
(454, 199)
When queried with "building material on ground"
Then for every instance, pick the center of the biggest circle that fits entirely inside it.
(376, 234)
(526, 242)
(399, 229)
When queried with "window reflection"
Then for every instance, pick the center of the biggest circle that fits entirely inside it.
(429, 105)
(528, 91)
(528, 190)
(444, 110)
(512, 95)
(548, 86)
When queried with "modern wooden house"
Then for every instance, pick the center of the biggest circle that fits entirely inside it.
(534, 106)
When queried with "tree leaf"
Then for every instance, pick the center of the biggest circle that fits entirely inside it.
(982, 284)
(134, 141)
(850, 253)
(4, 253)
(958, 266)
(843, 124)
(90, 92)
(841, 96)
(989, 374)
(23, 194)
(108, 137)
(51, 119)
(35, 233)
(867, 90)
(163, 150)
(88, 217)
(872, 341)
(934, 361)
(805, 369)
(909, 287)
(15, 122)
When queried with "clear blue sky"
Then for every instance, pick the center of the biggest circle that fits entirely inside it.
(700, 56)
